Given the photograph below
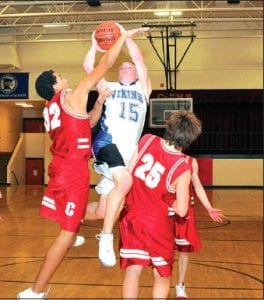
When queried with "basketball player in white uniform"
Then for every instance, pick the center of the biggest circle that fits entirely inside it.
(124, 116)
(121, 127)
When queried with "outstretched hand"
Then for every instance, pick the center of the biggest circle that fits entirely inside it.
(103, 94)
(130, 33)
(216, 214)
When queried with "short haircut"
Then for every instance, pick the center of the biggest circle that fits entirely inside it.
(44, 84)
(128, 62)
(183, 128)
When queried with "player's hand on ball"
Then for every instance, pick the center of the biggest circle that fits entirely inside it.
(122, 29)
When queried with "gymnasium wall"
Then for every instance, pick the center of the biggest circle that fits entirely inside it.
(210, 64)
(233, 63)
(225, 172)
(10, 127)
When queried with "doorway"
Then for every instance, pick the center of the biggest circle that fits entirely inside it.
(34, 171)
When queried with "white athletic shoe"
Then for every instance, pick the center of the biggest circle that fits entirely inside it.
(180, 291)
(106, 249)
(79, 241)
(104, 186)
(102, 168)
(29, 294)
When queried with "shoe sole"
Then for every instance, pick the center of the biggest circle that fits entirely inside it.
(79, 242)
(105, 265)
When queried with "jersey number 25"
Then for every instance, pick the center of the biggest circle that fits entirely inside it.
(150, 172)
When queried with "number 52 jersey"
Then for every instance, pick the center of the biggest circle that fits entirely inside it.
(70, 133)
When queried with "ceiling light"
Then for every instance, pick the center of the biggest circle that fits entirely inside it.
(176, 13)
(167, 13)
(161, 13)
(55, 25)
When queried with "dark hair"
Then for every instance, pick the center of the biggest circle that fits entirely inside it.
(44, 84)
(183, 128)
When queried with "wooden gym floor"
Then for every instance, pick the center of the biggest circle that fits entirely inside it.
(229, 266)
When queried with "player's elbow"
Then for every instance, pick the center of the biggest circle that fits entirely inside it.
(181, 210)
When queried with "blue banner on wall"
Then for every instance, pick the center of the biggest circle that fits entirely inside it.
(13, 86)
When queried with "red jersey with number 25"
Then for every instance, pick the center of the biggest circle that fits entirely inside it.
(155, 170)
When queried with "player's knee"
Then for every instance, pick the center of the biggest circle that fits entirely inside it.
(125, 184)
(100, 212)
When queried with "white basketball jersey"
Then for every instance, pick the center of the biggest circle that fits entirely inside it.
(124, 116)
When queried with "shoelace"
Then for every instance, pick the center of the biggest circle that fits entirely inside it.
(108, 247)
(98, 236)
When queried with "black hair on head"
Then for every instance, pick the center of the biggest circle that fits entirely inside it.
(44, 84)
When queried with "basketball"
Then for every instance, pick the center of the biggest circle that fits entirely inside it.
(106, 34)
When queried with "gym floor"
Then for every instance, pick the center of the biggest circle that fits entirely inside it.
(229, 265)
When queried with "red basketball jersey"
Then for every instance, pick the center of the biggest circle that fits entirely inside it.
(66, 195)
(155, 170)
(70, 133)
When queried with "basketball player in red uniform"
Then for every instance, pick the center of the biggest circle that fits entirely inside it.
(161, 175)
(68, 124)
(186, 234)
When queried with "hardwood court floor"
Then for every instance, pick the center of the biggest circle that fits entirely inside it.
(229, 266)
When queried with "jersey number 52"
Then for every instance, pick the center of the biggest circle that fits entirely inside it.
(51, 116)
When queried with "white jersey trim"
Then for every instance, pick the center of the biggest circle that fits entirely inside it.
(171, 172)
(145, 146)
(182, 242)
(48, 202)
(83, 143)
(140, 254)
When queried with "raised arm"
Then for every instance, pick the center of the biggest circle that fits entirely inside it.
(142, 71)
(215, 214)
(77, 99)
(89, 60)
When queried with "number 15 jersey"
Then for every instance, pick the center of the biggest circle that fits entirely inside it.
(123, 119)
